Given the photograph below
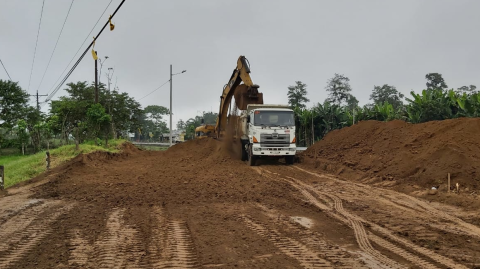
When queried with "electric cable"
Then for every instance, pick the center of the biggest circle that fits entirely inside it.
(83, 55)
(5, 70)
(155, 90)
(66, 67)
(36, 43)
(59, 35)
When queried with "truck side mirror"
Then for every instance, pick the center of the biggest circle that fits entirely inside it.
(248, 119)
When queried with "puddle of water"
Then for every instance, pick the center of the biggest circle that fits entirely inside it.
(305, 222)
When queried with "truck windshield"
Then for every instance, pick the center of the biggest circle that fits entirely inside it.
(273, 118)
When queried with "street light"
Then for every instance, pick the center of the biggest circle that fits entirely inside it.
(101, 65)
(171, 75)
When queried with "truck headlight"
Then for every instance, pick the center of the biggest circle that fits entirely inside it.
(292, 149)
(257, 149)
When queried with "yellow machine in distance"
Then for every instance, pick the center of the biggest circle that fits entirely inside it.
(205, 130)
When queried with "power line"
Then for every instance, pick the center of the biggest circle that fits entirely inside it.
(36, 43)
(81, 45)
(51, 56)
(81, 57)
(155, 90)
(5, 70)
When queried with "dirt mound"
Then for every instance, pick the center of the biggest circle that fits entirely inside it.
(420, 154)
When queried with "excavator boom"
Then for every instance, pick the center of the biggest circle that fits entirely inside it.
(245, 94)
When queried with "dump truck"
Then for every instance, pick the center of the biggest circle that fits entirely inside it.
(268, 131)
(265, 131)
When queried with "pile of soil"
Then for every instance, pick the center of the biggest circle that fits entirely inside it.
(419, 154)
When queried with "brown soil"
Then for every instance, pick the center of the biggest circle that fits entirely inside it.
(197, 205)
(418, 155)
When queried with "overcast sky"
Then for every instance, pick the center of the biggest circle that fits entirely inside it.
(371, 42)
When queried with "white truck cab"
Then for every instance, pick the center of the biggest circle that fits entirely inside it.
(268, 131)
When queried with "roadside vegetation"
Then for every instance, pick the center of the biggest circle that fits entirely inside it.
(341, 109)
(19, 168)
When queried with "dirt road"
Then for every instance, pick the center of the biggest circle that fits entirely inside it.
(196, 206)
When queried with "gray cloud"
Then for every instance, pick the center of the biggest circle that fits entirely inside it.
(371, 42)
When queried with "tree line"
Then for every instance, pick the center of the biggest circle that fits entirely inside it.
(341, 108)
(75, 117)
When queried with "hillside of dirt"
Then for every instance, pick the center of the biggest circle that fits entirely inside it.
(403, 153)
(197, 205)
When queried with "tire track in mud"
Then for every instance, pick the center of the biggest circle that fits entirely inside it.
(180, 248)
(121, 245)
(26, 229)
(357, 226)
(171, 245)
(307, 257)
(338, 256)
(79, 248)
(385, 232)
(414, 204)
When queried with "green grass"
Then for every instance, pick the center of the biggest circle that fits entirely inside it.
(19, 168)
(153, 148)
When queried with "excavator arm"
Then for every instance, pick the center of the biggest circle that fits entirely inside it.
(245, 94)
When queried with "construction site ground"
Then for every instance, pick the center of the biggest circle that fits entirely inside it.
(197, 205)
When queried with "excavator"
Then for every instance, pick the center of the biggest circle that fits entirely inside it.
(245, 94)
(265, 131)
(205, 130)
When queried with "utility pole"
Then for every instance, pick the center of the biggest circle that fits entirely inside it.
(170, 105)
(96, 81)
(38, 101)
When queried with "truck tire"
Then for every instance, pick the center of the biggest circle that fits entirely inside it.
(289, 160)
(252, 160)
(244, 153)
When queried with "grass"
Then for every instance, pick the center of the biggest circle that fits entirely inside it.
(19, 168)
(153, 148)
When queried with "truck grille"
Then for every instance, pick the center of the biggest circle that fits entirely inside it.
(269, 140)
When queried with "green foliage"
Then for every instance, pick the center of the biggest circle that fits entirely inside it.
(467, 89)
(21, 168)
(297, 95)
(69, 114)
(13, 100)
(387, 94)
(339, 89)
(435, 81)
(431, 104)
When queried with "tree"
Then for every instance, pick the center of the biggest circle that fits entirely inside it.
(435, 81)
(297, 95)
(352, 102)
(98, 120)
(467, 89)
(339, 89)
(34, 118)
(156, 113)
(181, 125)
(22, 134)
(12, 102)
(387, 94)
(210, 117)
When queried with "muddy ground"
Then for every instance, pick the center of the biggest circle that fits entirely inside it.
(197, 206)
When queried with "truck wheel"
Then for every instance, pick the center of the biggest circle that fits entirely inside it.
(252, 160)
(244, 153)
(289, 159)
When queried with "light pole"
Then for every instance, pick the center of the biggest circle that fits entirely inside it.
(101, 65)
(108, 76)
(171, 75)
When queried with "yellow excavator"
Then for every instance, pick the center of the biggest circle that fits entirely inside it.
(245, 94)
(204, 131)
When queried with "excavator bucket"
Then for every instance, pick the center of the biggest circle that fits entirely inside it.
(245, 95)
